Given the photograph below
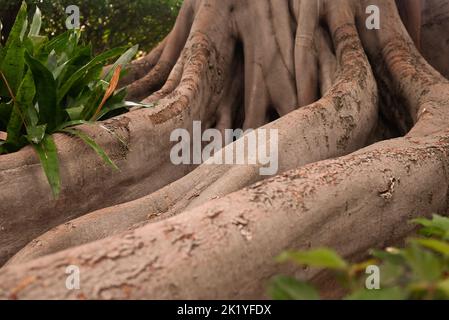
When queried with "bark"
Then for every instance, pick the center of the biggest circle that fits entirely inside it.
(207, 223)
(411, 14)
(27, 207)
(191, 256)
(349, 122)
(138, 142)
(436, 22)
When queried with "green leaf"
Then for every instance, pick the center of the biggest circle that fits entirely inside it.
(391, 274)
(444, 286)
(115, 102)
(122, 61)
(391, 255)
(395, 293)
(37, 43)
(15, 125)
(75, 113)
(12, 62)
(435, 245)
(91, 143)
(26, 91)
(24, 100)
(58, 43)
(287, 288)
(94, 99)
(52, 61)
(66, 66)
(117, 106)
(425, 264)
(75, 106)
(49, 113)
(438, 226)
(58, 70)
(35, 134)
(319, 258)
(90, 78)
(35, 27)
(69, 124)
(83, 71)
(440, 222)
(48, 156)
(73, 41)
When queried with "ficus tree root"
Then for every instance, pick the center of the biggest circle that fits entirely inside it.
(138, 142)
(175, 241)
(350, 126)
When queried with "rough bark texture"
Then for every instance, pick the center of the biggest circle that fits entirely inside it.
(185, 240)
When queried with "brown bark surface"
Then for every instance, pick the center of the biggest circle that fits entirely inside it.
(367, 151)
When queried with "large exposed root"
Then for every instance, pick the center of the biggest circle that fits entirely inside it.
(436, 22)
(210, 182)
(181, 257)
(351, 203)
(341, 122)
(411, 11)
(153, 79)
(138, 142)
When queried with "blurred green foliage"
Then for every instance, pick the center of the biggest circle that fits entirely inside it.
(106, 23)
(420, 271)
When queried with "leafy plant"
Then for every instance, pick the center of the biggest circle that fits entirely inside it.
(418, 271)
(49, 86)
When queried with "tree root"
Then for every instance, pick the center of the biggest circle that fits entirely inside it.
(339, 123)
(138, 142)
(181, 257)
(352, 203)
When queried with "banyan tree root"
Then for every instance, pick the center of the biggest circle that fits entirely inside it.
(341, 122)
(138, 142)
(436, 22)
(194, 255)
(351, 203)
(212, 181)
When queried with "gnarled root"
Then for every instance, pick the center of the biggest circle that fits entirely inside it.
(351, 203)
(138, 142)
(341, 122)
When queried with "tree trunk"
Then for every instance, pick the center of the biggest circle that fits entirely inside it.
(206, 235)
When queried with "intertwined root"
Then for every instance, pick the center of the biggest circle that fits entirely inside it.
(350, 203)
(339, 123)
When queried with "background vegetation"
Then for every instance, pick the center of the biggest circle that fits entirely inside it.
(419, 271)
(106, 23)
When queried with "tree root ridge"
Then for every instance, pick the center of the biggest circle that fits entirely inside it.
(348, 81)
